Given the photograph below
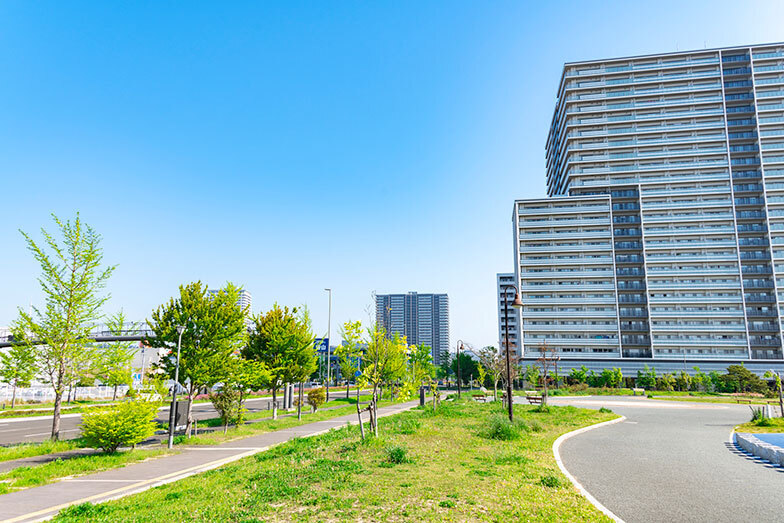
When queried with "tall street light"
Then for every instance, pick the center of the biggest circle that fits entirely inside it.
(459, 344)
(180, 330)
(517, 303)
(329, 326)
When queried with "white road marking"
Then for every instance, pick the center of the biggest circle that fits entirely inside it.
(556, 446)
(48, 433)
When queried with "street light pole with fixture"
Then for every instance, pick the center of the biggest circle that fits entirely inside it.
(172, 421)
(517, 303)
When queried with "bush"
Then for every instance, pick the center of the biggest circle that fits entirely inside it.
(605, 410)
(758, 415)
(228, 405)
(397, 454)
(501, 428)
(125, 424)
(550, 481)
(317, 397)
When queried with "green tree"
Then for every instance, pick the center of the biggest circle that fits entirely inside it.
(468, 367)
(700, 380)
(532, 375)
(419, 369)
(114, 368)
(740, 379)
(445, 369)
(579, 375)
(214, 331)
(228, 404)
(282, 340)
(72, 280)
(683, 381)
(667, 382)
(385, 363)
(646, 378)
(491, 360)
(716, 383)
(349, 352)
(18, 366)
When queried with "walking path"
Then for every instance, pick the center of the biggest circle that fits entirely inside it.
(39, 503)
(672, 461)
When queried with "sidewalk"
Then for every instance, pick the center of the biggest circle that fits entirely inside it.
(35, 504)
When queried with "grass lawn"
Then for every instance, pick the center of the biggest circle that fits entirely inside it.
(28, 450)
(426, 466)
(269, 425)
(768, 425)
(23, 477)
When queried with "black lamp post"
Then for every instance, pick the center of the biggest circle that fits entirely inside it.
(516, 303)
(459, 344)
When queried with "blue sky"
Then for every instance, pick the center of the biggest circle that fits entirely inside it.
(293, 146)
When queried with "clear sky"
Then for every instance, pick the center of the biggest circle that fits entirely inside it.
(290, 146)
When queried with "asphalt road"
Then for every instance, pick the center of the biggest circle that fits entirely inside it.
(39, 428)
(672, 462)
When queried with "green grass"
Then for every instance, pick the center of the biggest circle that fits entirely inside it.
(28, 450)
(768, 425)
(425, 467)
(24, 477)
(270, 425)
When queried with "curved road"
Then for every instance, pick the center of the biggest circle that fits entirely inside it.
(672, 461)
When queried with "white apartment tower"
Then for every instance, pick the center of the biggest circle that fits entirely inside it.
(506, 294)
(662, 241)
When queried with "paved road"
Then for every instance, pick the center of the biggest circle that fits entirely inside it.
(672, 462)
(39, 428)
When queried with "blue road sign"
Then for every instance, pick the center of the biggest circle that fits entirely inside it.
(321, 344)
(357, 374)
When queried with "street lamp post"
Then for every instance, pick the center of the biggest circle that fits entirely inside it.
(329, 326)
(516, 303)
(459, 344)
(172, 421)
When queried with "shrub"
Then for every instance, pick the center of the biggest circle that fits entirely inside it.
(501, 428)
(227, 403)
(317, 397)
(764, 422)
(125, 424)
(447, 503)
(397, 454)
(757, 414)
(550, 481)
(605, 410)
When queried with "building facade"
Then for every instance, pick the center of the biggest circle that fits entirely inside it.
(513, 315)
(422, 318)
(663, 237)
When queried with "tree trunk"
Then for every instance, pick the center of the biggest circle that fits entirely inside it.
(299, 401)
(274, 402)
(781, 398)
(70, 389)
(13, 397)
(58, 399)
(189, 424)
(286, 396)
(495, 390)
(359, 415)
(114, 395)
(348, 387)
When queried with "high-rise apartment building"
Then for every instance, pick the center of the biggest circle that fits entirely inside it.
(506, 294)
(663, 238)
(422, 318)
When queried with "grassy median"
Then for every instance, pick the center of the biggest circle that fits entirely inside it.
(461, 463)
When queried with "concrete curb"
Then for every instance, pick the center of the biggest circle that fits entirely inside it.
(556, 446)
(759, 448)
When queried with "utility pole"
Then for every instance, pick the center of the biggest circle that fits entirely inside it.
(329, 340)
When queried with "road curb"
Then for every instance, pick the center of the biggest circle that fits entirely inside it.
(556, 446)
